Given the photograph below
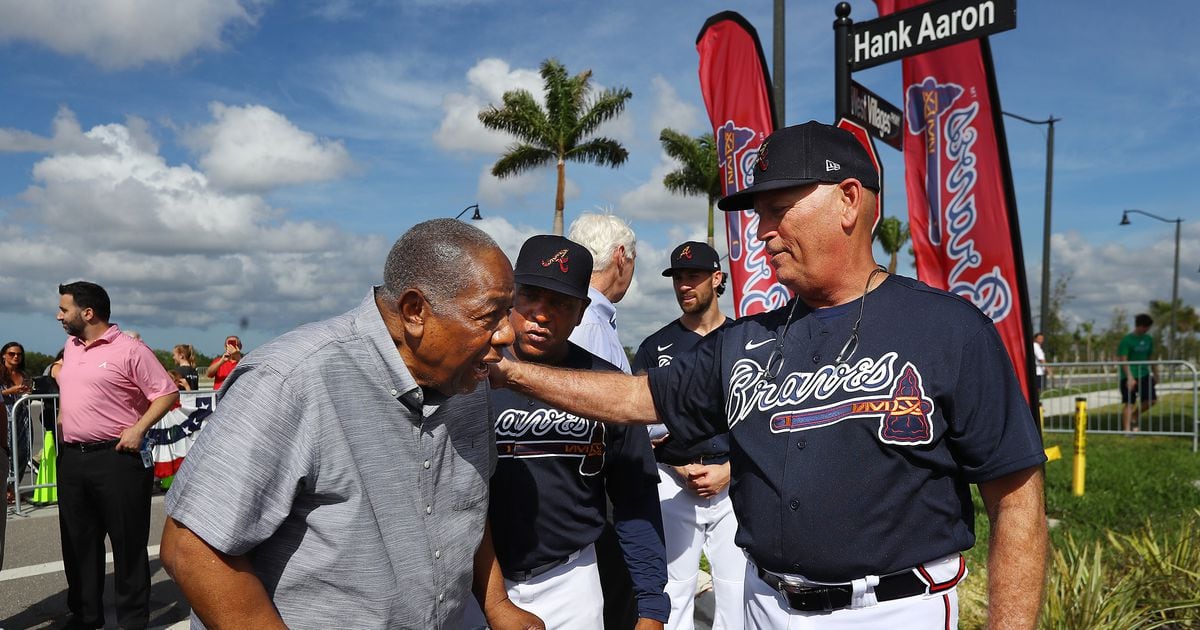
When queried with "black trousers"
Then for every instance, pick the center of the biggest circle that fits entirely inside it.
(105, 493)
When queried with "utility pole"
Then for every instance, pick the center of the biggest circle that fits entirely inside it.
(1044, 312)
(778, 69)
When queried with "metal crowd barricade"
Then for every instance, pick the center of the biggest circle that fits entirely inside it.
(1177, 411)
(40, 407)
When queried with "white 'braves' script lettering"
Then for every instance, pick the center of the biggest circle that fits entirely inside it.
(749, 391)
(539, 422)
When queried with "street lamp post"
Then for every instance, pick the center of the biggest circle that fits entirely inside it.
(474, 217)
(1044, 312)
(1174, 280)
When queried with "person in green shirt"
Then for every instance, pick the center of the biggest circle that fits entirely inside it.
(1137, 380)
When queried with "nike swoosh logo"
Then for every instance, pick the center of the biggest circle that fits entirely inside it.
(661, 348)
(750, 345)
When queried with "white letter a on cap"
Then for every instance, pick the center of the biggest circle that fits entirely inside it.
(830, 165)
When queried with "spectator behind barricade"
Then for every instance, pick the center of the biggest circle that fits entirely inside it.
(14, 384)
(55, 365)
(185, 364)
(1137, 379)
(4, 467)
(180, 380)
(1039, 357)
(224, 364)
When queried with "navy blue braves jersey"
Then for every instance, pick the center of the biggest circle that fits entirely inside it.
(858, 468)
(548, 491)
(658, 350)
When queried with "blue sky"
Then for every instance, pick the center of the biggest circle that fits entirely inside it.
(210, 161)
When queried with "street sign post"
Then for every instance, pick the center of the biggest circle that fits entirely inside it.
(864, 137)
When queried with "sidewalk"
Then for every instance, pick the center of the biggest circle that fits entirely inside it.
(1065, 405)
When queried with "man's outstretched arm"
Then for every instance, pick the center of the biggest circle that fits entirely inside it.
(610, 397)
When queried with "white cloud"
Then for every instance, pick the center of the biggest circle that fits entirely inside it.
(385, 88)
(1128, 275)
(118, 34)
(67, 137)
(669, 111)
(494, 191)
(175, 249)
(487, 81)
(254, 148)
(651, 200)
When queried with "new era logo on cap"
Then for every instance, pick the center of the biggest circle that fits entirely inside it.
(802, 155)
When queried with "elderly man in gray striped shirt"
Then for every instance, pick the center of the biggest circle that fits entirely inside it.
(342, 481)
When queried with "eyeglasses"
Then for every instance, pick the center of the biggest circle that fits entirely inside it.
(15, 354)
(775, 360)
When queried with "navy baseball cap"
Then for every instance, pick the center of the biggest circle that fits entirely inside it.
(555, 263)
(694, 255)
(805, 154)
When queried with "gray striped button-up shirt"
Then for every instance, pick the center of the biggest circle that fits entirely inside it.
(359, 505)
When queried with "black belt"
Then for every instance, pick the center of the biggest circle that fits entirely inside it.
(835, 596)
(88, 447)
(524, 576)
(703, 460)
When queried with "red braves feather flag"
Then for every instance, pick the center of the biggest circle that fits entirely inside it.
(737, 93)
(961, 207)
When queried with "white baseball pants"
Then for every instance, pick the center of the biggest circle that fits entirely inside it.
(692, 524)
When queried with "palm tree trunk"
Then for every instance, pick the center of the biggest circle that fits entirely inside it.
(710, 223)
(559, 201)
(892, 265)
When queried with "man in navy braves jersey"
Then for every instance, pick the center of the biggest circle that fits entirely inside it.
(555, 467)
(694, 478)
(858, 415)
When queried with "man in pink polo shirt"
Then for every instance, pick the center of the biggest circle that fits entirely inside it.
(112, 389)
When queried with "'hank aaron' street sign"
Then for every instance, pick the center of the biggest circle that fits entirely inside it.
(927, 27)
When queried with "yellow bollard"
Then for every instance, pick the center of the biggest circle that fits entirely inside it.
(1080, 469)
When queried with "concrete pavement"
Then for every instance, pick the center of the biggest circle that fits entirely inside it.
(35, 589)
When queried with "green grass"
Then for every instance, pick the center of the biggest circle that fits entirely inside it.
(1129, 483)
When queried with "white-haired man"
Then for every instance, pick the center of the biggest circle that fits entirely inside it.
(614, 247)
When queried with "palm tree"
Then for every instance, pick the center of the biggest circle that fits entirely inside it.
(892, 235)
(560, 131)
(698, 174)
